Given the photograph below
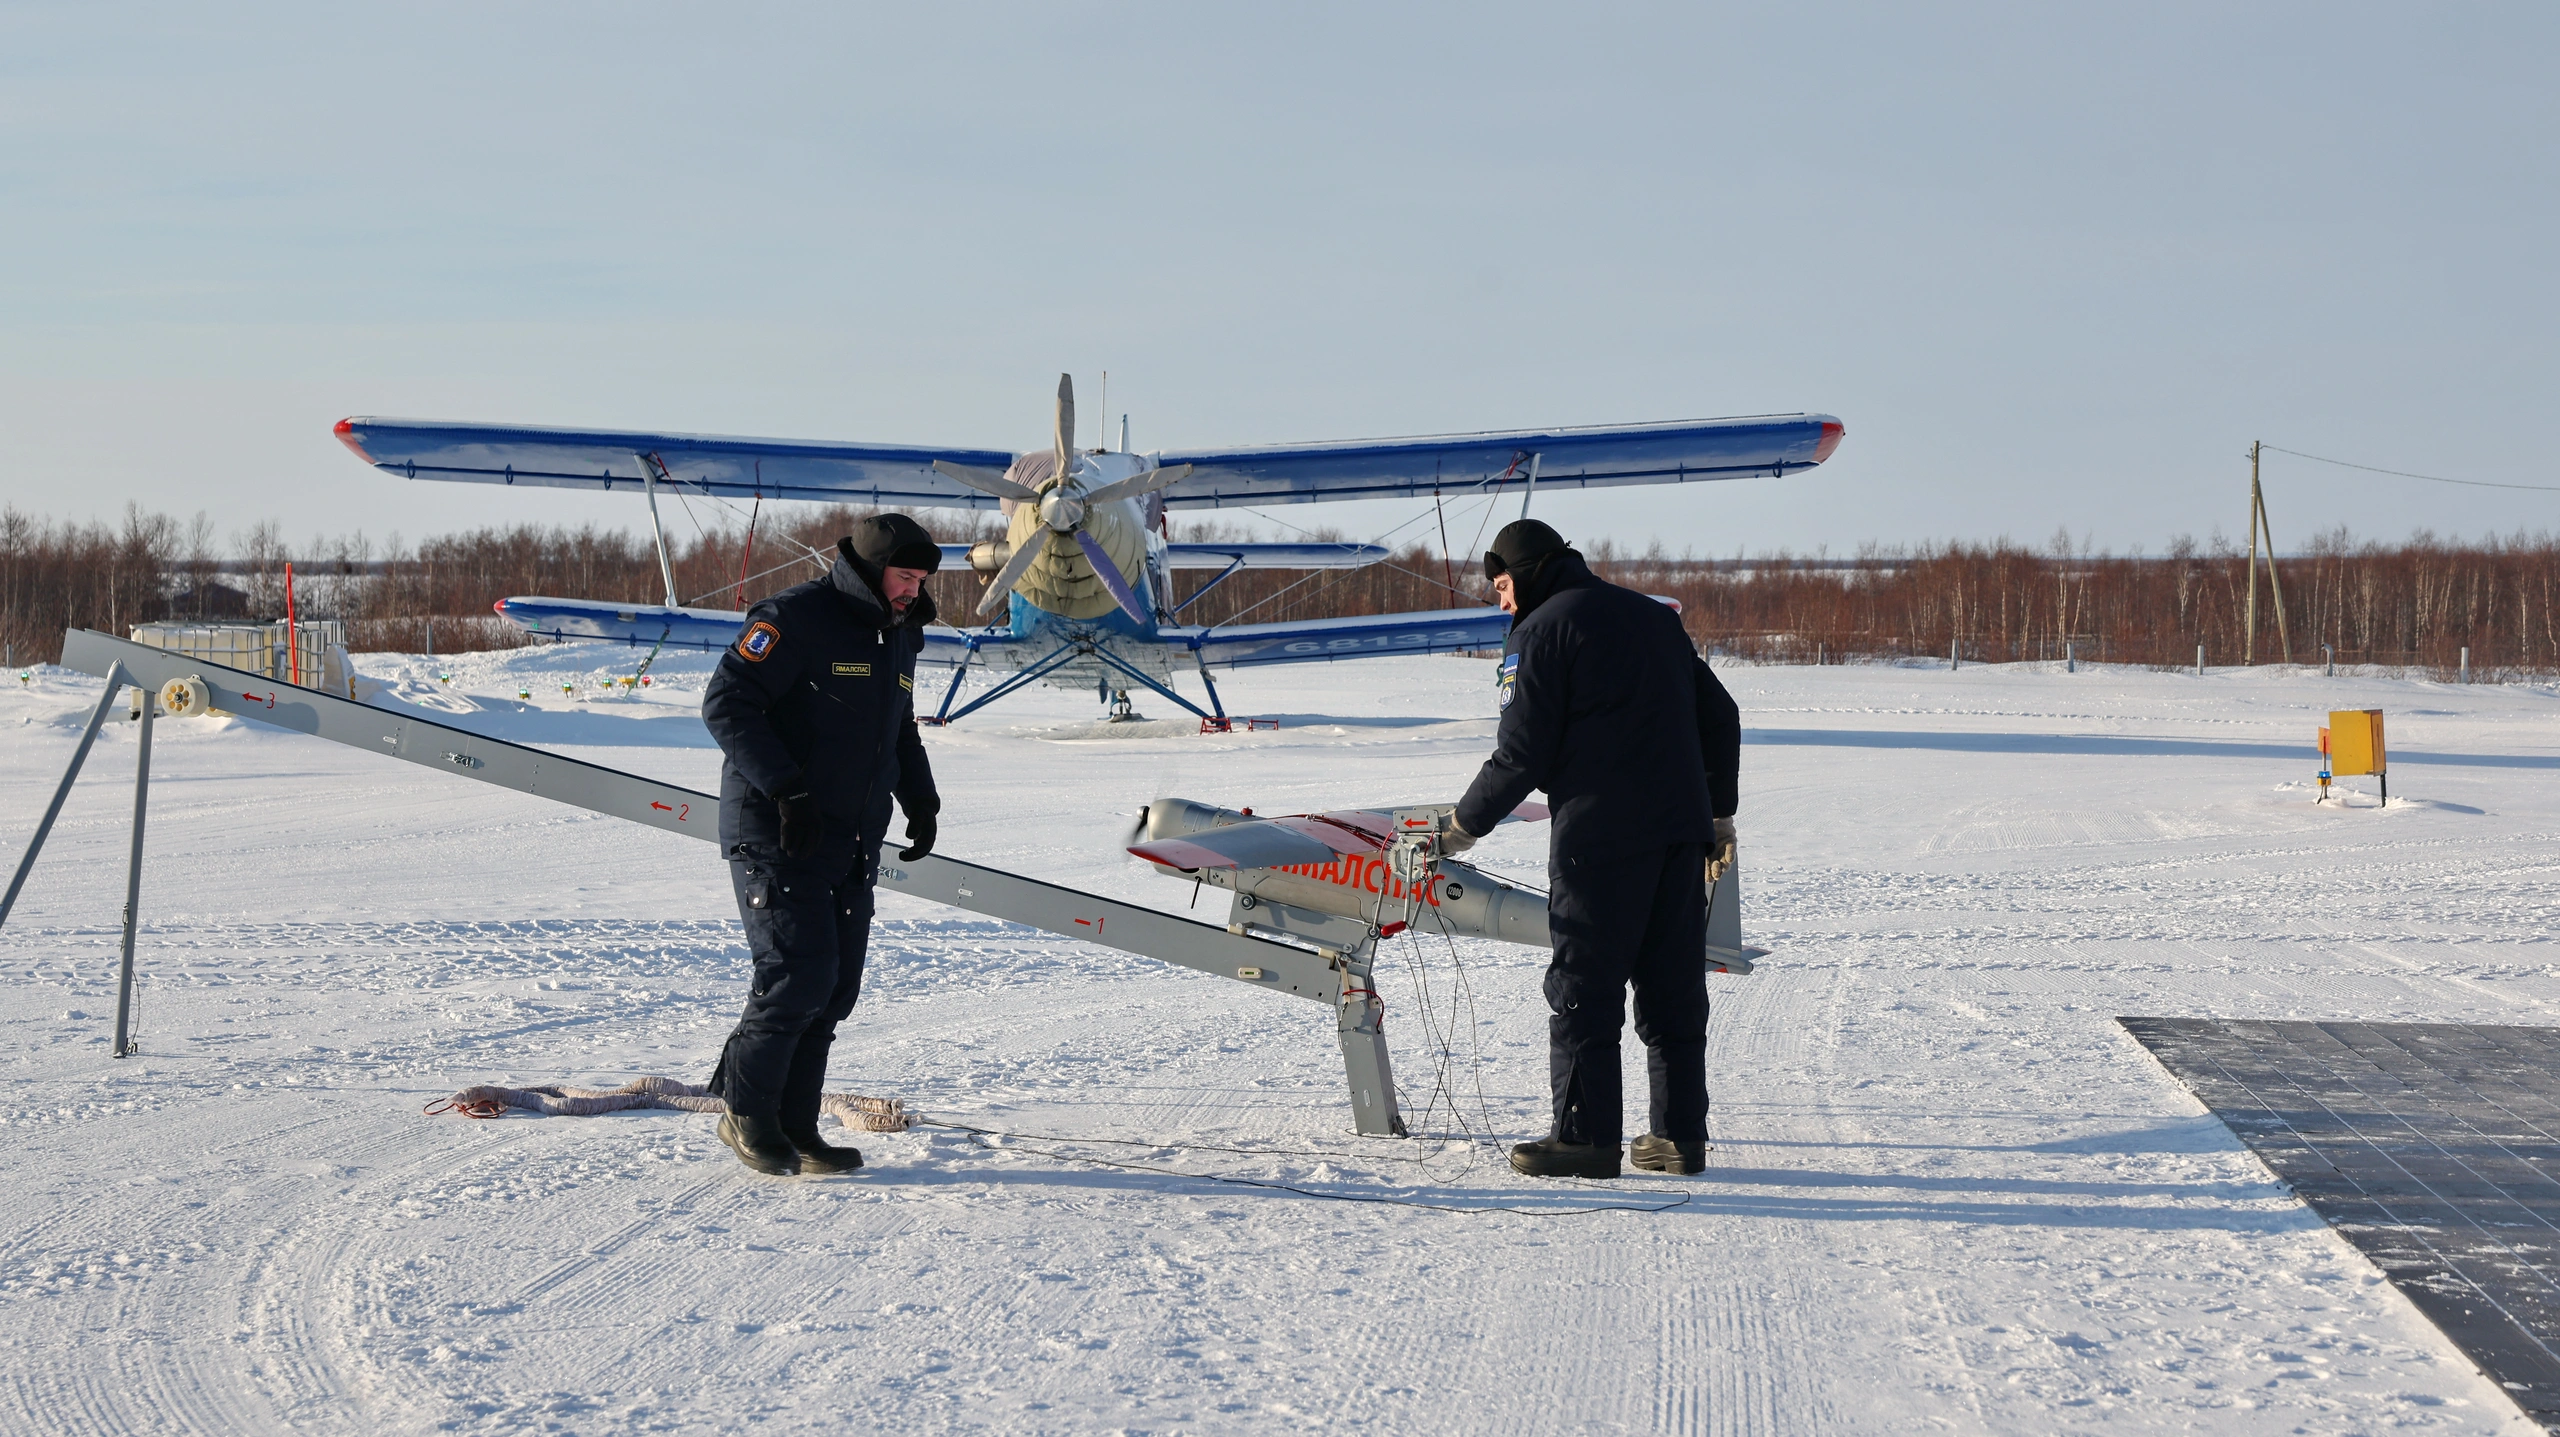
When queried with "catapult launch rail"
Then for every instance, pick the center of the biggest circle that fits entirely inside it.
(1337, 976)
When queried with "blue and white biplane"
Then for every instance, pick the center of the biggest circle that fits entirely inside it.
(1079, 592)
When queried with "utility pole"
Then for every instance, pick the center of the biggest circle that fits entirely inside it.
(2275, 584)
(2249, 620)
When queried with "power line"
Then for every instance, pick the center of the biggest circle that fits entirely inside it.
(2405, 474)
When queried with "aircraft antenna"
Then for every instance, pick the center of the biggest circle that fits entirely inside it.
(1102, 406)
(1124, 433)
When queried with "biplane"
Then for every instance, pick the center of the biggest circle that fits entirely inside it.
(1079, 592)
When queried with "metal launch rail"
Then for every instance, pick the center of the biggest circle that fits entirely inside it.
(1333, 970)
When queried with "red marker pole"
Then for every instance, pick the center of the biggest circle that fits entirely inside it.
(292, 631)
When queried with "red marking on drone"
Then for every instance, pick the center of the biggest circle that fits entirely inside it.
(269, 700)
(679, 809)
(1093, 923)
(662, 808)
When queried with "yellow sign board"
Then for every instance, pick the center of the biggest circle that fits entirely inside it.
(2355, 742)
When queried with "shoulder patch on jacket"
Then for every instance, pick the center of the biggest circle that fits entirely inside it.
(1508, 679)
(756, 644)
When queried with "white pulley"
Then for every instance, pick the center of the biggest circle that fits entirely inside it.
(190, 697)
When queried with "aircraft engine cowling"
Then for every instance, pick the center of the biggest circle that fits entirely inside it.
(1061, 580)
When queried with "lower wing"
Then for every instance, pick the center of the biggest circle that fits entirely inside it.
(1440, 631)
(653, 625)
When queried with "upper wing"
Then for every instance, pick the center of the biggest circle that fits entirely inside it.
(1438, 631)
(879, 474)
(1317, 555)
(1586, 458)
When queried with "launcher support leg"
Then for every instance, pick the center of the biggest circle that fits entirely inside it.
(80, 755)
(133, 878)
(1364, 1048)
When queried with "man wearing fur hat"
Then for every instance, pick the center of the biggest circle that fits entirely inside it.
(1608, 709)
(814, 711)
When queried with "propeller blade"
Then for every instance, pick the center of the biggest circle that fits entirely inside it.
(1065, 440)
(1111, 579)
(987, 481)
(1137, 484)
(1014, 568)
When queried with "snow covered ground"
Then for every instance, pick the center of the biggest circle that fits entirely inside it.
(1948, 1193)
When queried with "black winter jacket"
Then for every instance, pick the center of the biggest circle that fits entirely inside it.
(1607, 707)
(818, 693)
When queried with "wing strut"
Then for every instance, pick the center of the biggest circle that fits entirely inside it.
(649, 470)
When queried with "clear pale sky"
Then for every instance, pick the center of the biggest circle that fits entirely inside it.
(2054, 266)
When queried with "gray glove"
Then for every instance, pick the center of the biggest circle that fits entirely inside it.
(1455, 840)
(1720, 852)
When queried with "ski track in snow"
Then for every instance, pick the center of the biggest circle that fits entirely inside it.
(1948, 1193)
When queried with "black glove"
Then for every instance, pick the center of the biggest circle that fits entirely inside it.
(802, 827)
(920, 831)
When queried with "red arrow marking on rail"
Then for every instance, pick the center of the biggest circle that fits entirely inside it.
(662, 808)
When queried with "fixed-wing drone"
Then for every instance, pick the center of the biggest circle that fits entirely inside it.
(1079, 592)
(1351, 875)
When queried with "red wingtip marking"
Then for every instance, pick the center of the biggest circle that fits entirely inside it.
(1175, 853)
(499, 608)
(346, 432)
(1833, 431)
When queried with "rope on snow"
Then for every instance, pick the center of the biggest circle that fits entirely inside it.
(877, 1115)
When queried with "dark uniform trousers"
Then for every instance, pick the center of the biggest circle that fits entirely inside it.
(808, 924)
(1618, 919)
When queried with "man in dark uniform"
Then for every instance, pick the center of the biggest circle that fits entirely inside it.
(1607, 707)
(814, 710)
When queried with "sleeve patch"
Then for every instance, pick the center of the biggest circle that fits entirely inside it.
(756, 644)
(1507, 682)
(907, 683)
(853, 671)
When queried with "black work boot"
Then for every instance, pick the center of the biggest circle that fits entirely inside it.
(1665, 1155)
(1548, 1158)
(819, 1156)
(760, 1145)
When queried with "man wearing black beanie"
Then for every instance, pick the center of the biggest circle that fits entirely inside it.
(814, 711)
(1608, 709)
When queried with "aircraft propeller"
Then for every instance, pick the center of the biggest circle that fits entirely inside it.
(1062, 505)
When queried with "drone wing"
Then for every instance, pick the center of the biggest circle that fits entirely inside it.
(879, 474)
(1263, 843)
(1680, 452)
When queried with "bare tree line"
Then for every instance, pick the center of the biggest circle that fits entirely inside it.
(2418, 603)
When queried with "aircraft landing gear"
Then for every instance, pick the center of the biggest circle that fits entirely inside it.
(1121, 709)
